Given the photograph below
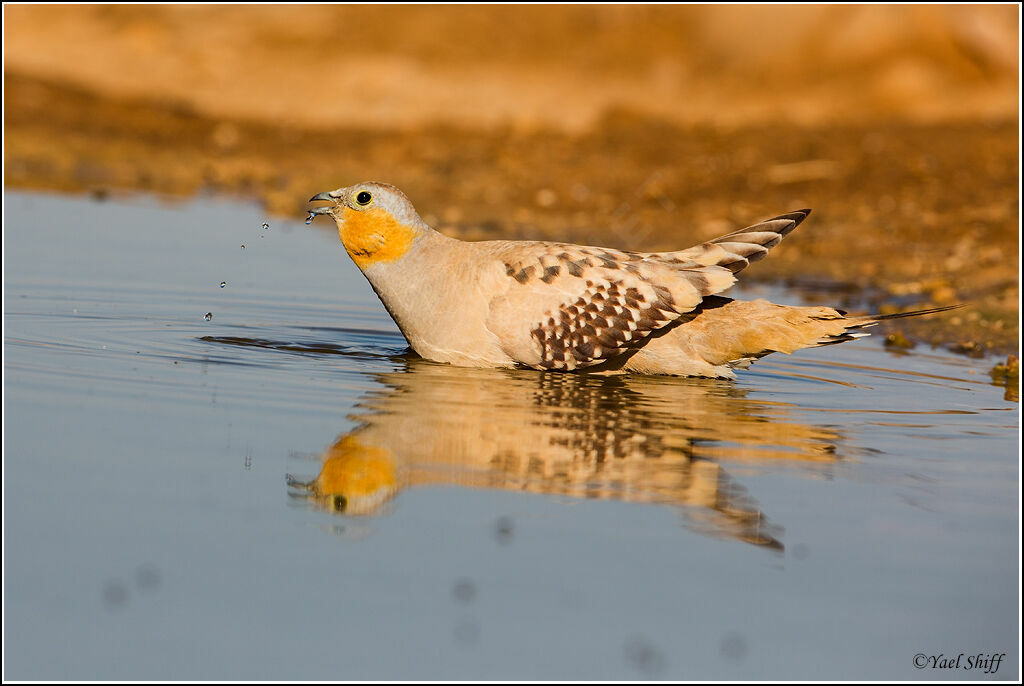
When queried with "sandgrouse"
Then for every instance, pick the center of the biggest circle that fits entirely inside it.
(564, 307)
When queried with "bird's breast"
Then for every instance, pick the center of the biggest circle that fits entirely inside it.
(439, 296)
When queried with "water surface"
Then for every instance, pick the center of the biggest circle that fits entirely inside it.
(282, 491)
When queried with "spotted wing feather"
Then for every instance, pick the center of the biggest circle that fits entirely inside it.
(568, 307)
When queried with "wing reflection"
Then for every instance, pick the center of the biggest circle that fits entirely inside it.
(637, 439)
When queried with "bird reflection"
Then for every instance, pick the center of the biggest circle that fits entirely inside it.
(637, 439)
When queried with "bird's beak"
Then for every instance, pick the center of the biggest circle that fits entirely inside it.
(326, 196)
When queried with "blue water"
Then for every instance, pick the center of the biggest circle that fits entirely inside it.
(282, 492)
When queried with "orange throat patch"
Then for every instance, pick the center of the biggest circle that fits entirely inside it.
(372, 236)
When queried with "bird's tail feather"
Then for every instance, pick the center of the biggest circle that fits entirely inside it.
(738, 249)
(735, 333)
(856, 324)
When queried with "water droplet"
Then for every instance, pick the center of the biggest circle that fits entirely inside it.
(208, 316)
(266, 225)
(223, 284)
(733, 647)
(644, 655)
(114, 593)
(243, 247)
(464, 591)
(504, 529)
(147, 577)
(309, 219)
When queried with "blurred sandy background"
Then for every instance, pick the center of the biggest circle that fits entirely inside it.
(643, 127)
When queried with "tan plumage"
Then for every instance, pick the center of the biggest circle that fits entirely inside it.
(557, 306)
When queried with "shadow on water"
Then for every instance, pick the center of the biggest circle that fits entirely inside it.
(635, 439)
(310, 348)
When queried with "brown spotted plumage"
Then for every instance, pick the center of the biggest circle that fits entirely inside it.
(601, 323)
(583, 306)
(563, 307)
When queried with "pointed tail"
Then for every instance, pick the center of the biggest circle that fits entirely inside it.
(856, 325)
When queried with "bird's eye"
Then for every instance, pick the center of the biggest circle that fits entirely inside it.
(364, 198)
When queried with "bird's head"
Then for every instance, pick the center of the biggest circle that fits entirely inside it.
(355, 478)
(376, 222)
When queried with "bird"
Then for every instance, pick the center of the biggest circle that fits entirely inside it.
(560, 307)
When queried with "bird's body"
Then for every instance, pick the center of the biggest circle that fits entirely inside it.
(563, 307)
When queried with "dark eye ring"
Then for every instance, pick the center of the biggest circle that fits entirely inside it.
(364, 198)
